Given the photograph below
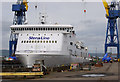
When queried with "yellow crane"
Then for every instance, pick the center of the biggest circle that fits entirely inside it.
(106, 7)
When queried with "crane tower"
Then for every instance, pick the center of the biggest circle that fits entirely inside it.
(112, 14)
(19, 10)
(119, 28)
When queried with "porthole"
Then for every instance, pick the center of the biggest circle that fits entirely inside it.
(52, 41)
(37, 41)
(21, 41)
(29, 41)
(40, 41)
(71, 43)
(49, 41)
(55, 41)
(43, 41)
(46, 41)
(32, 41)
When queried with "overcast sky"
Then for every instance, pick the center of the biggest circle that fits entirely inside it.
(90, 26)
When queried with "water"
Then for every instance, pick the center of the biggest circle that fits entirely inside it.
(4, 52)
(94, 75)
(97, 54)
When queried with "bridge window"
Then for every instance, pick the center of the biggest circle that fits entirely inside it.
(36, 28)
(48, 28)
(55, 28)
(29, 28)
(43, 28)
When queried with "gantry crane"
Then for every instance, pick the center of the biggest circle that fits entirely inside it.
(112, 14)
(19, 18)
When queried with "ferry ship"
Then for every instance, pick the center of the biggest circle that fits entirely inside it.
(54, 44)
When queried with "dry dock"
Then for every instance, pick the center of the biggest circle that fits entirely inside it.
(109, 70)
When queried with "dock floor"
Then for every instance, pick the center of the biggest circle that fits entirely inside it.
(109, 69)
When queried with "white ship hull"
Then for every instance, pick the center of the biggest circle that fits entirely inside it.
(51, 60)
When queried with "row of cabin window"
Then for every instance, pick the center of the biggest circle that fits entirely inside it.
(40, 28)
(38, 41)
(39, 34)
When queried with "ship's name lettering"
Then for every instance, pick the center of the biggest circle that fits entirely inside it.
(38, 38)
